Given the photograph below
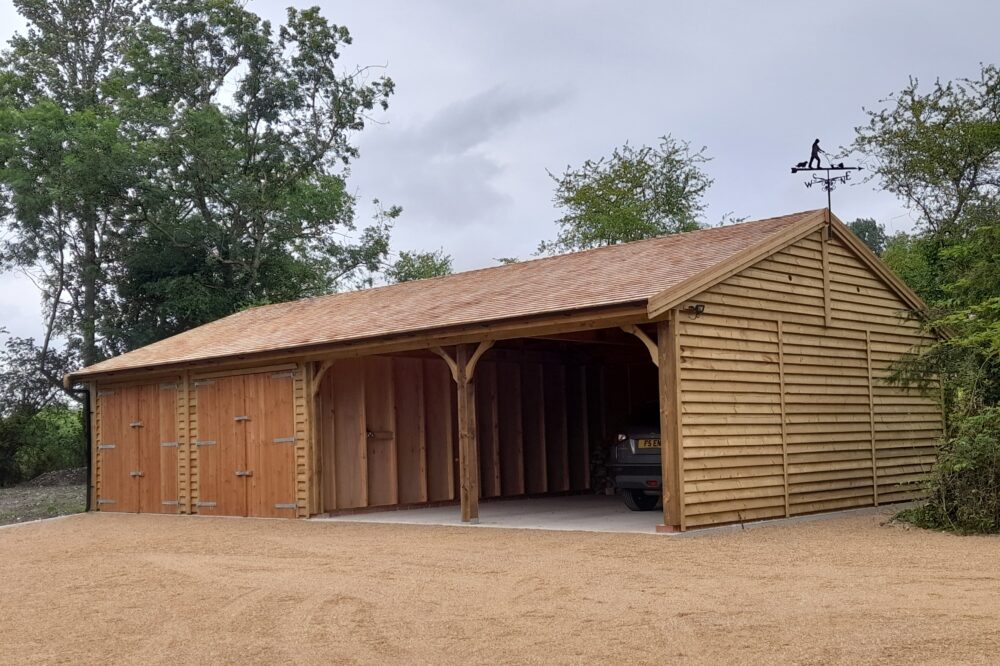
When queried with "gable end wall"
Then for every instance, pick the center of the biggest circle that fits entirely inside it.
(783, 414)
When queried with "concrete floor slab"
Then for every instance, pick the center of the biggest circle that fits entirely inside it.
(578, 513)
(587, 513)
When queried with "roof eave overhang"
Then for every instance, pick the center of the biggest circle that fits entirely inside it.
(563, 321)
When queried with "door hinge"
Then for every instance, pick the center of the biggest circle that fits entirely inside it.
(103, 394)
(105, 446)
(168, 387)
(241, 418)
(105, 501)
(136, 472)
(244, 472)
(169, 502)
(135, 424)
(282, 375)
(206, 503)
(284, 440)
(168, 443)
(291, 505)
(204, 442)
(203, 382)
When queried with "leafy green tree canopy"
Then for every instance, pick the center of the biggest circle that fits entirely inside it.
(871, 234)
(638, 192)
(939, 150)
(419, 265)
(165, 163)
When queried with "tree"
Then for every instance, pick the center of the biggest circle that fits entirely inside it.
(62, 158)
(636, 193)
(166, 163)
(29, 383)
(38, 431)
(908, 256)
(32, 443)
(871, 234)
(418, 266)
(939, 151)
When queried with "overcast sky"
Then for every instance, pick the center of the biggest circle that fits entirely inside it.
(490, 95)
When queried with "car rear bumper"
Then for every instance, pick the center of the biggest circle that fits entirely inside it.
(636, 477)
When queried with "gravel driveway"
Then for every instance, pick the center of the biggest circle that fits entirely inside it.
(105, 588)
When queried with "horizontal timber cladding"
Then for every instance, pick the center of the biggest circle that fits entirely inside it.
(136, 443)
(387, 429)
(785, 408)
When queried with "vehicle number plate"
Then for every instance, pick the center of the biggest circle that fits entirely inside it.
(649, 443)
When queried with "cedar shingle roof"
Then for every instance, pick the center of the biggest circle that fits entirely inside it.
(613, 275)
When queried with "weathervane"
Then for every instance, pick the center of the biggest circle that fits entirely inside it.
(829, 182)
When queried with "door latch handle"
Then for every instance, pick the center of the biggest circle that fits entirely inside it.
(244, 472)
(241, 418)
(135, 424)
(136, 472)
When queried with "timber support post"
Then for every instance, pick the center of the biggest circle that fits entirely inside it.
(463, 369)
(672, 454)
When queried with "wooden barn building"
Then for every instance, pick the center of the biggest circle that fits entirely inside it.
(764, 343)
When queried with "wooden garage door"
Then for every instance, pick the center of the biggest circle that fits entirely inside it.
(117, 489)
(246, 445)
(137, 451)
(220, 448)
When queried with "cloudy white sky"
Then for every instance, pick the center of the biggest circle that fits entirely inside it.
(490, 95)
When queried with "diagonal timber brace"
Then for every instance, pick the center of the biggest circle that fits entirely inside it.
(654, 351)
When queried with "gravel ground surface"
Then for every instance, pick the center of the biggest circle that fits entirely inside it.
(105, 588)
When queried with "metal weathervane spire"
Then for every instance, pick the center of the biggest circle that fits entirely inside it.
(829, 181)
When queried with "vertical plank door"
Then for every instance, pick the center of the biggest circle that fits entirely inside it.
(146, 434)
(118, 490)
(270, 444)
(169, 447)
(221, 447)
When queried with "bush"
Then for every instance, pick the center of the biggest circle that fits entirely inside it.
(39, 442)
(964, 488)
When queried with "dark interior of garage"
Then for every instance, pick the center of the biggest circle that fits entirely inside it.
(547, 412)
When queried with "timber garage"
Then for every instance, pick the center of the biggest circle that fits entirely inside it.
(761, 345)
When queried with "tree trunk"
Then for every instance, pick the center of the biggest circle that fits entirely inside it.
(91, 269)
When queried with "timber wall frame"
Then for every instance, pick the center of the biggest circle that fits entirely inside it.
(784, 410)
(772, 400)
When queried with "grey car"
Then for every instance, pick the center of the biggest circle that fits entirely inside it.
(634, 467)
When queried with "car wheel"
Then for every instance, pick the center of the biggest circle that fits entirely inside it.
(637, 500)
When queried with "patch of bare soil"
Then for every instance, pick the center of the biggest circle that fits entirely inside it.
(106, 588)
(60, 477)
(26, 502)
